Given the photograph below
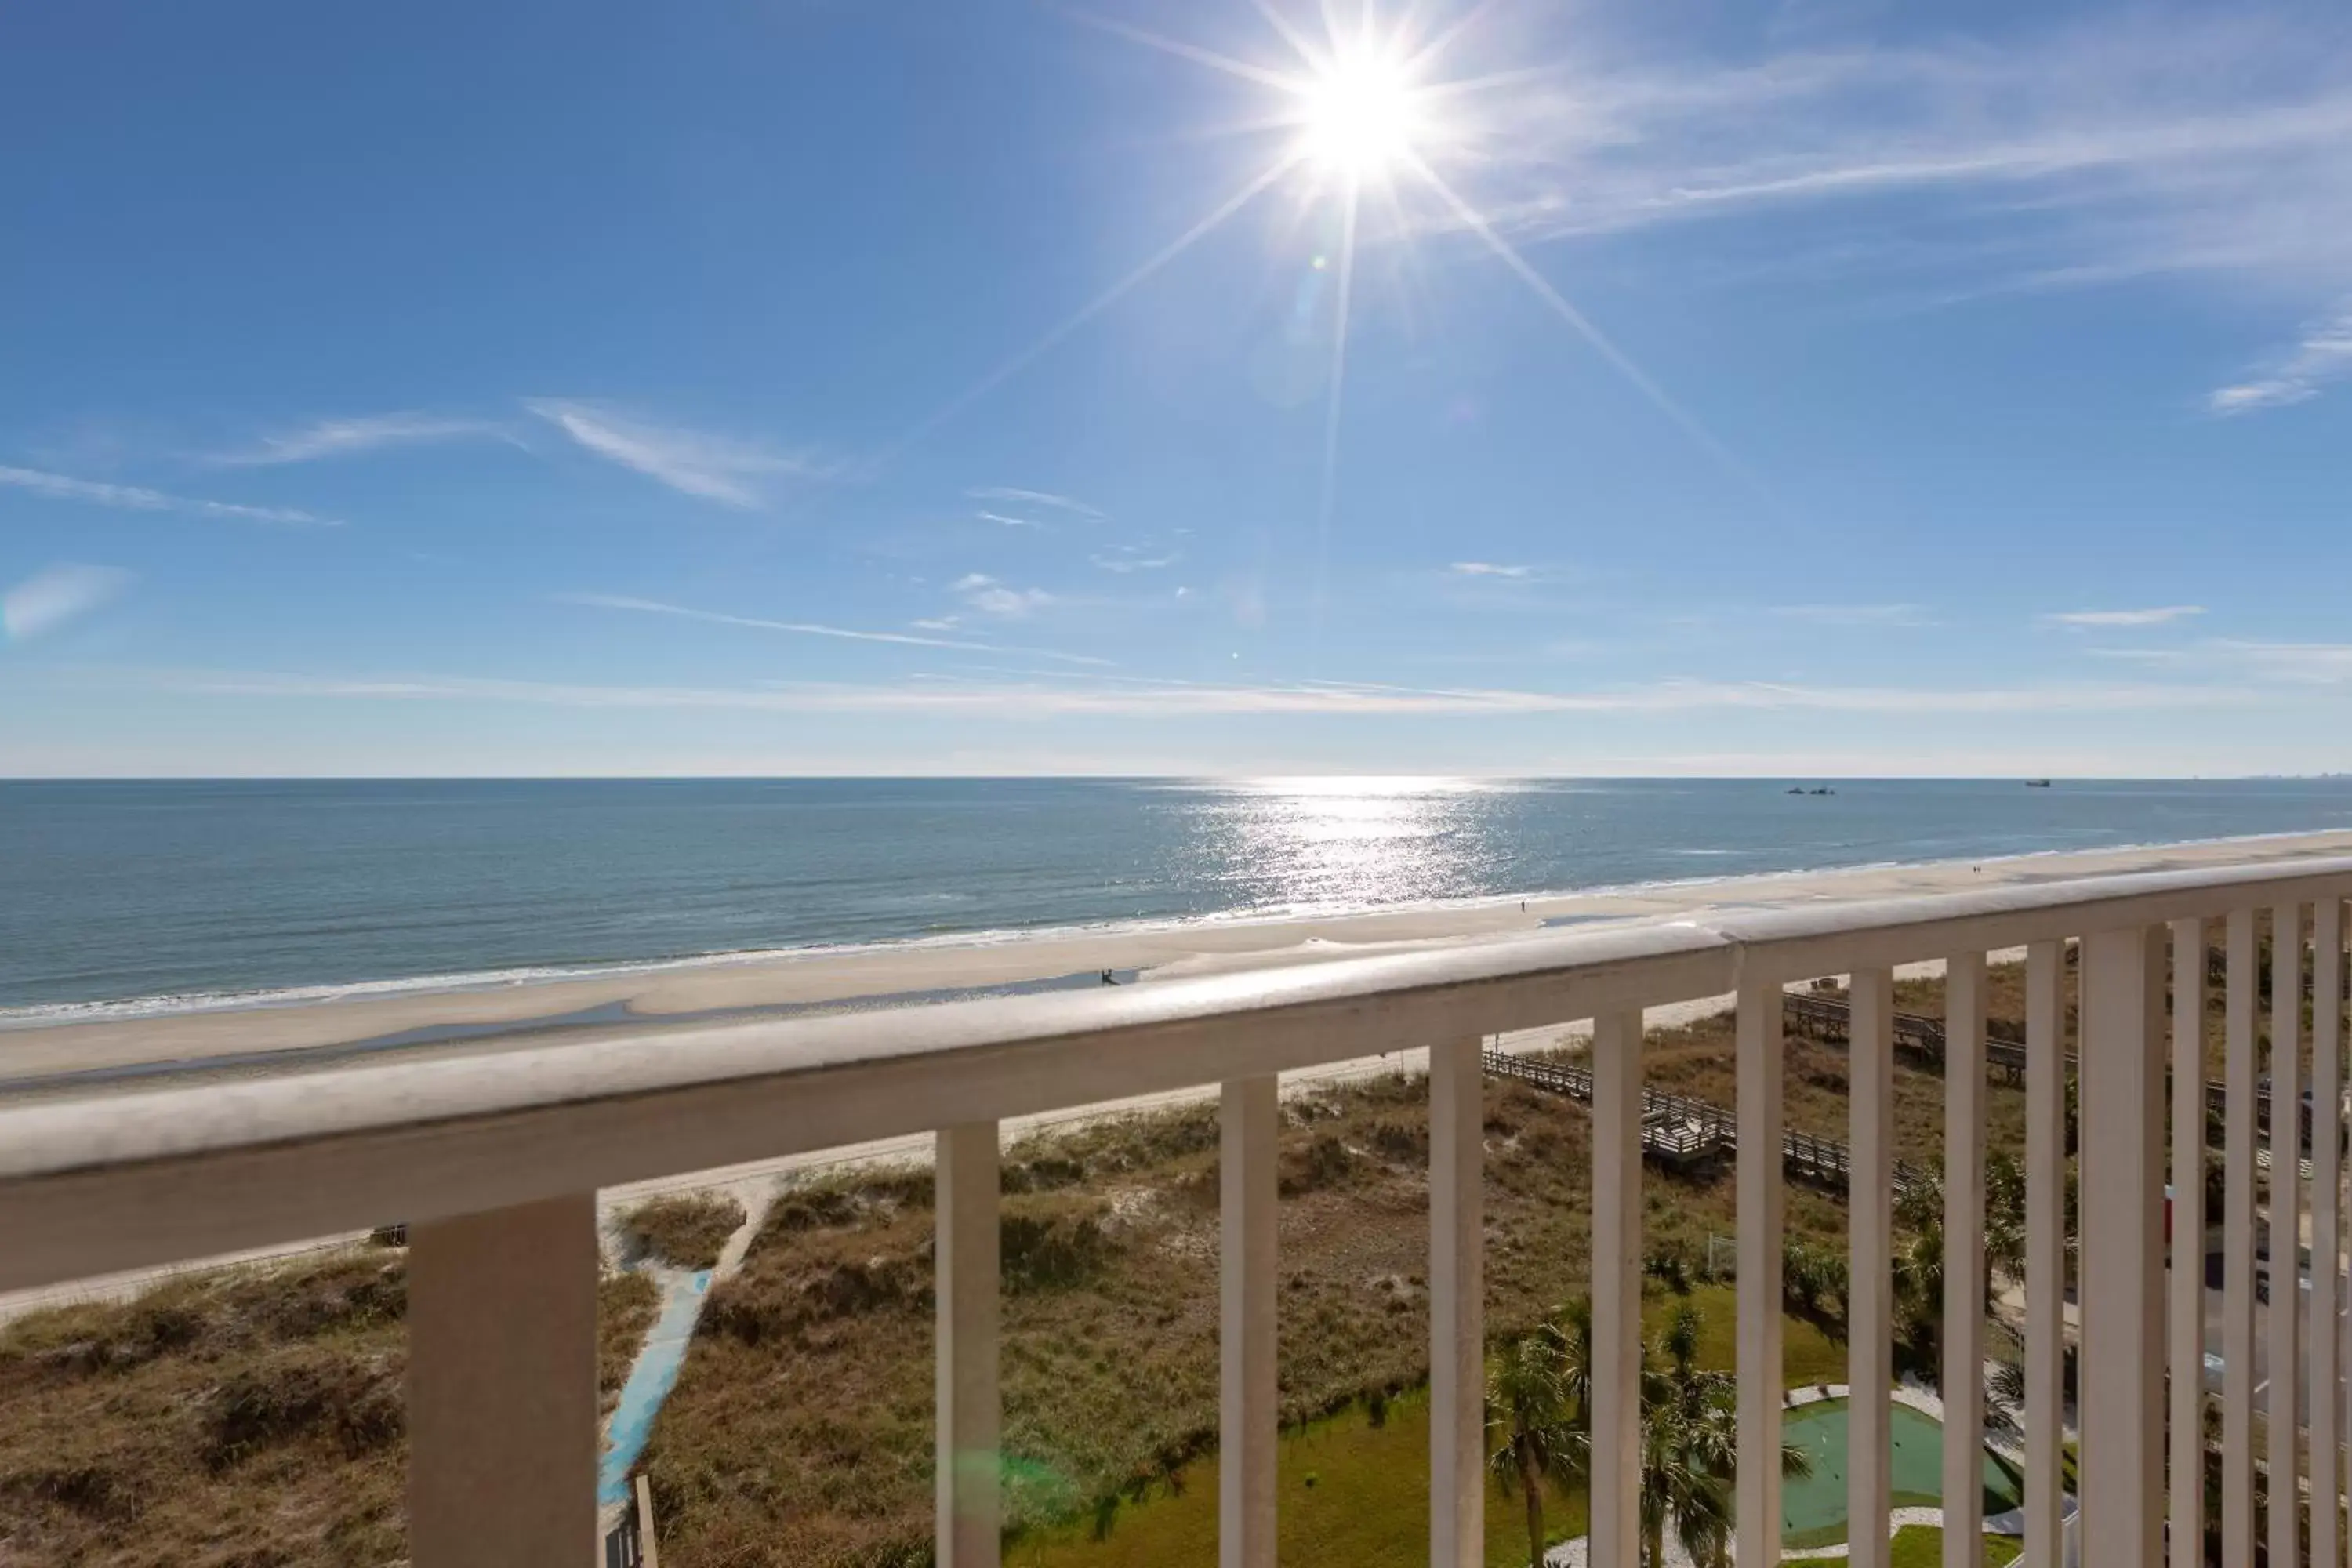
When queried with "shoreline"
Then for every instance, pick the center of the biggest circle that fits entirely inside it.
(94, 1053)
(37, 1019)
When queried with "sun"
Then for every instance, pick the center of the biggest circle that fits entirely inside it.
(1360, 117)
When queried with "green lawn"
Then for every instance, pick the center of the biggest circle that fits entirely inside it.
(1358, 1493)
(1922, 1546)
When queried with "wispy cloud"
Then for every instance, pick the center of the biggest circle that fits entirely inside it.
(1125, 558)
(1855, 614)
(2160, 615)
(990, 597)
(351, 437)
(1033, 700)
(1034, 498)
(50, 599)
(1489, 569)
(2324, 355)
(2279, 663)
(808, 629)
(137, 497)
(713, 468)
(2107, 146)
(939, 624)
(1004, 520)
(2304, 663)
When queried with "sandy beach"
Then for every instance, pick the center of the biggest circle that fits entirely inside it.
(324, 1034)
(128, 1052)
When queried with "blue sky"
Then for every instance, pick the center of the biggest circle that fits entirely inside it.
(1829, 388)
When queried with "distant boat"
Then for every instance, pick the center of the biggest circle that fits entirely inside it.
(1824, 790)
(2037, 784)
(1796, 789)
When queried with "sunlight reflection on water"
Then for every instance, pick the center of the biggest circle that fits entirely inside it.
(1326, 843)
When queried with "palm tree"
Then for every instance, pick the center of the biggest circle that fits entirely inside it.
(1538, 1424)
(1690, 1445)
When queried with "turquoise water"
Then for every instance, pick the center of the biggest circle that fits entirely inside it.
(1813, 1509)
(147, 897)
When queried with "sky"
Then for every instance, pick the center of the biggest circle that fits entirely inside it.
(1249, 386)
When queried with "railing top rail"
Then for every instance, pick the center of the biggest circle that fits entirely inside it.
(120, 1179)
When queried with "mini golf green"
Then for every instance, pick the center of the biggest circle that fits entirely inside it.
(1813, 1511)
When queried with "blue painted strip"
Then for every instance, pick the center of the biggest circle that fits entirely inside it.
(650, 1380)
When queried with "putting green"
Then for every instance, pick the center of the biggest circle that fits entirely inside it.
(1813, 1511)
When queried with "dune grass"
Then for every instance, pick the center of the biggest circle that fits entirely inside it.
(686, 1230)
(251, 1415)
(800, 1430)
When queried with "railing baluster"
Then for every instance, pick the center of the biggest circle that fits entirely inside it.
(2045, 1249)
(2327, 1226)
(2123, 1256)
(1616, 1373)
(2238, 1245)
(969, 1184)
(2187, 1326)
(1870, 1297)
(502, 1387)
(2287, 1232)
(1964, 1258)
(1457, 1370)
(1760, 1208)
(1249, 1121)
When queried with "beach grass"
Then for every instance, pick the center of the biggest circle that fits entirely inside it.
(800, 1429)
(251, 1415)
(259, 1408)
(684, 1230)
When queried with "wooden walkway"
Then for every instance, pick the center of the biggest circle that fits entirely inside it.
(1677, 1129)
(1828, 1019)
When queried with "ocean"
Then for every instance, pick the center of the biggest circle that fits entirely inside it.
(137, 897)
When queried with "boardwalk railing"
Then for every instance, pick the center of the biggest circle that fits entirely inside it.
(494, 1161)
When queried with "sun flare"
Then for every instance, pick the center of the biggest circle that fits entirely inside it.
(1361, 117)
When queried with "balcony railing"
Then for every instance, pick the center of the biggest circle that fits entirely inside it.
(495, 1160)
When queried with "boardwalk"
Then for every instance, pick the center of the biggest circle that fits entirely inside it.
(1827, 1019)
(1677, 1129)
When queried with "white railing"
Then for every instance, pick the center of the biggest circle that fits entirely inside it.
(494, 1161)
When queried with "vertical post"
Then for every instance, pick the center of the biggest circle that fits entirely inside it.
(1870, 1292)
(1616, 1370)
(967, 1229)
(1757, 1521)
(2327, 1226)
(2123, 1258)
(1457, 1336)
(648, 1543)
(2046, 1248)
(1249, 1119)
(1964, 1258)
(502, 1387)
(2284, 1428)
(2238, 1245)
(2187, 1354)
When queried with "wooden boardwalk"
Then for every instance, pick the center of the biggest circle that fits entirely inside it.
(1678, 1130)
(1828, 1019)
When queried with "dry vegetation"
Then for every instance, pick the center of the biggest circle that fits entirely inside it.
(684, 1231)
(800, 1431)
(250, 1418)
(254, 1416)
